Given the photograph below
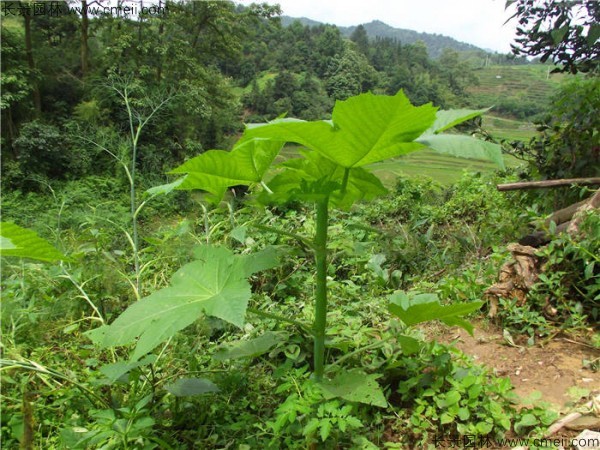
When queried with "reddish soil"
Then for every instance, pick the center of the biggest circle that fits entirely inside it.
(552, 369)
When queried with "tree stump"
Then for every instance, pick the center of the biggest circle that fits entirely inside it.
(516, 277)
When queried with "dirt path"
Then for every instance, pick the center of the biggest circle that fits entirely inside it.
(552, 370)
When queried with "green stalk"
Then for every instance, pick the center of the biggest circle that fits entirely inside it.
(135, 132)
(269, 315)
(320, 323)
(345, 181)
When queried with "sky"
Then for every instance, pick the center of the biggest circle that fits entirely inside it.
(477, 22)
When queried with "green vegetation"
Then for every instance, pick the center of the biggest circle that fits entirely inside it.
(520, 92)
(567, 33)
(247, 385)
(160, 293)
(508, 129)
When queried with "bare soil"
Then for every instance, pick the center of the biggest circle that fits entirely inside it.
(552, 369)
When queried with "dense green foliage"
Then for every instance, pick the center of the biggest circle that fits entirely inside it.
(567, 32)
(183, 319)
(259, 388)
(569, 145)
(212, 63)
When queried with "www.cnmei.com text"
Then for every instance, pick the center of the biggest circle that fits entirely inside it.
(55, 9)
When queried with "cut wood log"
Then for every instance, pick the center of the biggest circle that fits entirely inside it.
(571, 417)
(592, 203)
(548, 184)
(568, 219)
(565, 214)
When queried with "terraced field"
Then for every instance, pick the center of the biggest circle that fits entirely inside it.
(533, 83)
(442, 168)
(512, 130)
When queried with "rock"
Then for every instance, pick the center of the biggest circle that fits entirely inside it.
(584, 423)
(588, 440)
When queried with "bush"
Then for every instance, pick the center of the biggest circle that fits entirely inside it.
(568, 146)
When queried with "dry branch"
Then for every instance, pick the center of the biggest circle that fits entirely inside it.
(570, 417)
(548, 184)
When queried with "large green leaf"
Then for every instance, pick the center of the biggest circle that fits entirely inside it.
(409, 344)
(464, 147)
(461, 146)
(216, 170)
(164, 188)
(419, 308)
(363, 130)
(446, 119)
(250, 348)
(314, 176)
(23, 243)
(355, 386)
(264, 259)
(214, 285)
(114, 371)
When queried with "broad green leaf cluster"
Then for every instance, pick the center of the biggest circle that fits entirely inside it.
(215, 284)
(364, 129)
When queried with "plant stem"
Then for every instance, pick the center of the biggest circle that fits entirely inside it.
(300, 325)
(320, 323)
(206, 224)
(83, 293)
(6, 364)
(300, 239)
(345, 181)
(372, 346)
(134, 223)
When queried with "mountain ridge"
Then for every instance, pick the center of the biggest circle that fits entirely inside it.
(434, 42)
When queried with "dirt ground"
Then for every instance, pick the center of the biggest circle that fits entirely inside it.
(552, 370)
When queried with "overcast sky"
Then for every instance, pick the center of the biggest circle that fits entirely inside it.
(477, 22)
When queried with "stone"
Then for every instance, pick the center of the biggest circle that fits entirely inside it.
(588, 440)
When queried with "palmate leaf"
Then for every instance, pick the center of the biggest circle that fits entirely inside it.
(419, 308)
(250, 348)
(315, 176)
(355, 386)
(164, 188)
(363, 130)
(463, 146)
(460, 146)
(23, 243)
(114, 371)
(187, 387)
(446, 119)
(214, 285)
(216, 170)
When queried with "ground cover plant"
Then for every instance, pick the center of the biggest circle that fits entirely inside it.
(262, 371)
(299, 290)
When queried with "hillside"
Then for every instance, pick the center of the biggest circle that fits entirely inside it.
(435, 43)
(519, 91)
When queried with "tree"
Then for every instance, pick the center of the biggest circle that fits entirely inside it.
(455, 72)
(14, 80)
(349, 74)
(568, 146)
(37, 98)
(566, 31)
(360, 38)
